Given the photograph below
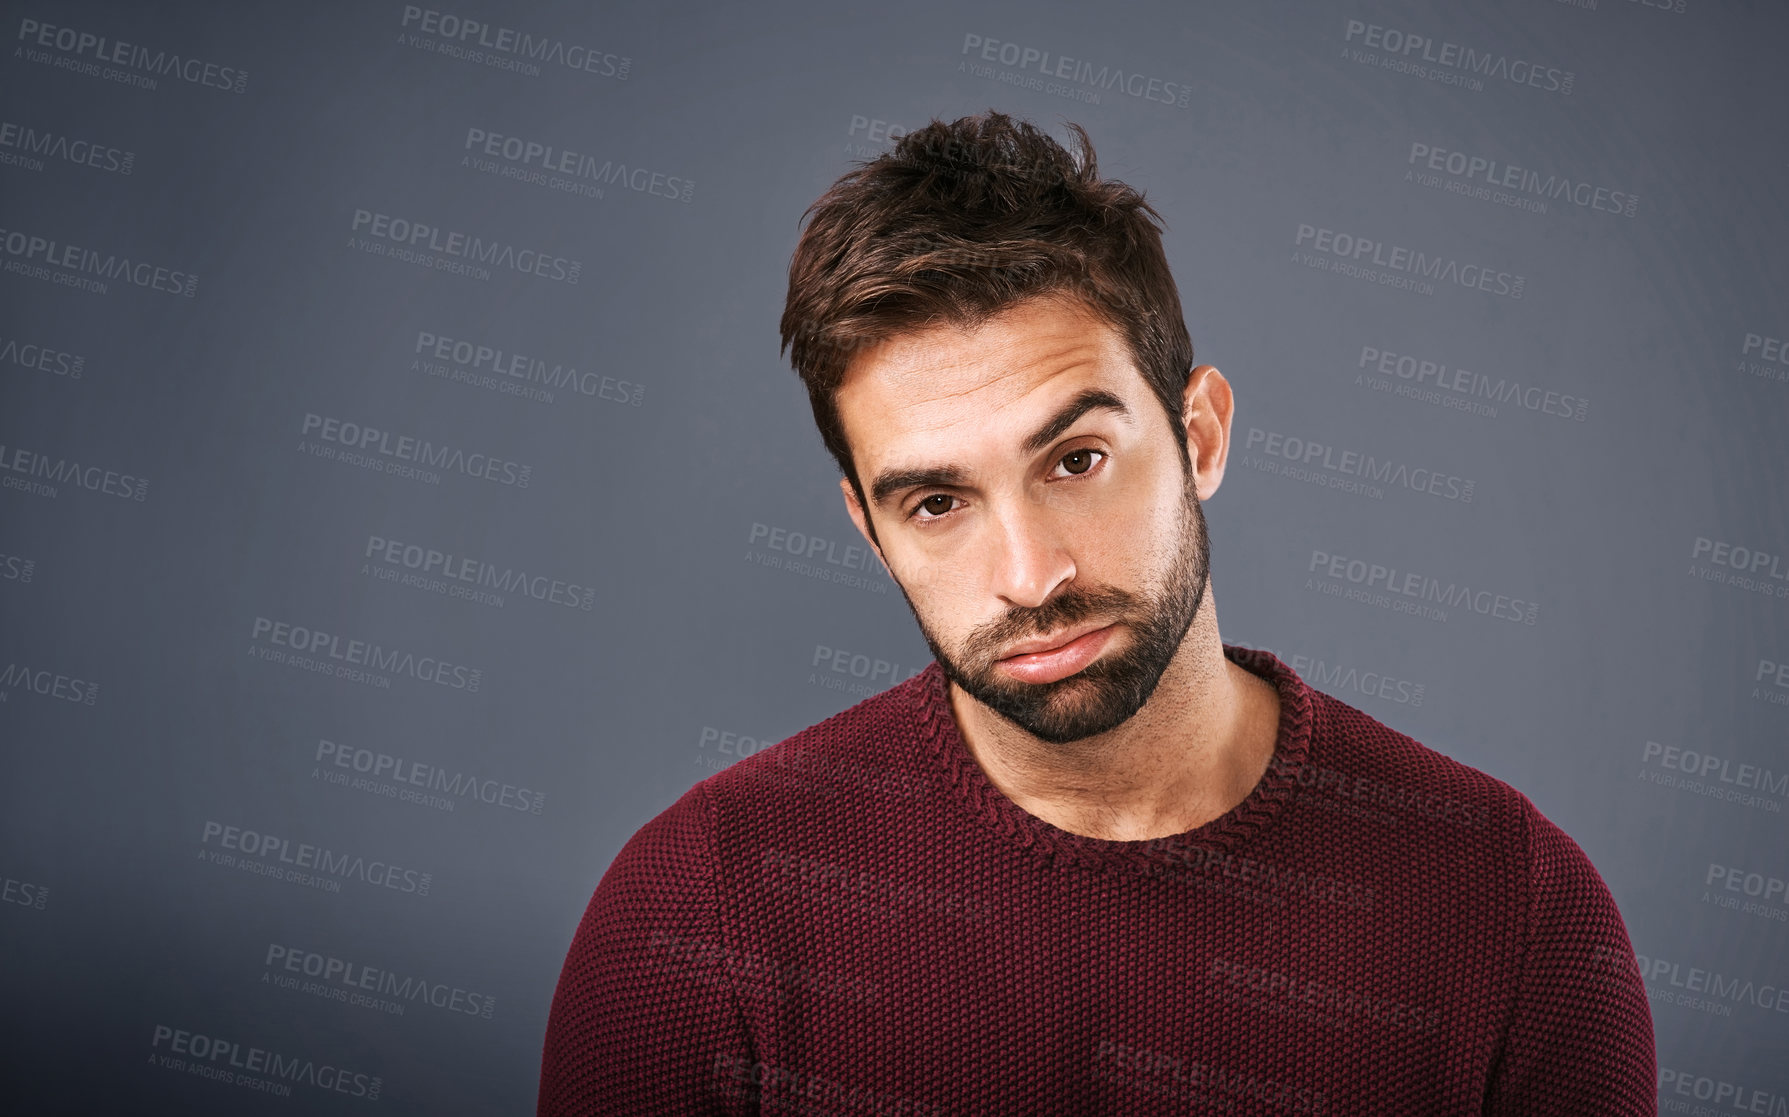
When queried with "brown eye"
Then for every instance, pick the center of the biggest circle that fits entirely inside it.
(1079, 461)
(937, 504)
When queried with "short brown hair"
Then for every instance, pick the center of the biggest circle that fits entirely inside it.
(959, 222)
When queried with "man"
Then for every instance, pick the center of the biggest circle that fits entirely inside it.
(1092, 860)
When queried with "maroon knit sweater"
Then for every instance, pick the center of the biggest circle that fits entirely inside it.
(855, 921)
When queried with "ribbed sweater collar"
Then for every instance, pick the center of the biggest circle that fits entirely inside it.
(970, 789)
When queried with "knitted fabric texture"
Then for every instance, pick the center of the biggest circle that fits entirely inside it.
(856, 921)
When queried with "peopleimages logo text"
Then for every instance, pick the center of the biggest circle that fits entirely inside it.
(84, 45)
(418, 236)
(50, 684)
(1048, 65)
(533, 157)
(1368, 251)
(365, 439)
(1477, 169)
(434, 564)
(344, 978)
(1419, 372)
(21, 467)
(380, 766)
(516, 373)
(517, 44)
(243, 1065)
(320, 860)
(1356, 463)
(16, 568)
(364, 653)
(28, 146)
(1422, 587)
(29, 248)
(42, 358)
(1420, 48)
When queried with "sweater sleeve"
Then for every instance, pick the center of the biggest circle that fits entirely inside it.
(645, 1019)
(1580, 1038)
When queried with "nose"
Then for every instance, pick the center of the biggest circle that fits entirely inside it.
(1030, 558)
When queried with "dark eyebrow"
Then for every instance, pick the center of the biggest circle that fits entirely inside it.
(892, 481)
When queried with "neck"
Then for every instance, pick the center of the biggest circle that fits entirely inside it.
(1194, 751)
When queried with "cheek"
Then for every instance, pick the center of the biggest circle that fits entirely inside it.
(943, 588)
(1131, 545)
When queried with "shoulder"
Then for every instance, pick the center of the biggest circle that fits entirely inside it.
(668, 859)
(682, 872)
(1366, 765)
(1567, 895)
(869, 748)
(1334, 750)
(1359, 760)
(1435, 785)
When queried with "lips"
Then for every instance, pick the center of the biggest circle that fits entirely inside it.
(1058, 662)
(1050, 643)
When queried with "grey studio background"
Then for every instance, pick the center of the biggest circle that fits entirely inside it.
(402, 498)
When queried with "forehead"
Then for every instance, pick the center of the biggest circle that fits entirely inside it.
(933, 389)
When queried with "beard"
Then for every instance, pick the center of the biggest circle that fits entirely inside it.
(1110, 690)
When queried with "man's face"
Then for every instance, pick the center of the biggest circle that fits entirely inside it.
(1032, 501)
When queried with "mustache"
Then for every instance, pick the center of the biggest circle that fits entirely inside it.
(1072, 607)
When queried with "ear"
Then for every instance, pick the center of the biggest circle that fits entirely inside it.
(860, 518)
(1205, 410)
